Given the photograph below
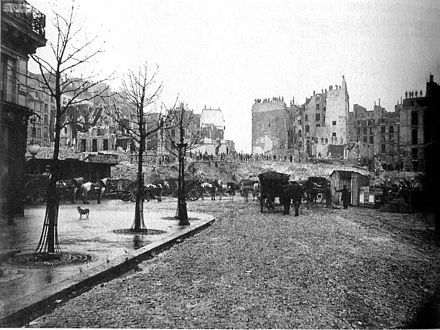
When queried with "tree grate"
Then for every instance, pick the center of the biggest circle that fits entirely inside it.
(177, 219)
(140, 231)
(42, 260)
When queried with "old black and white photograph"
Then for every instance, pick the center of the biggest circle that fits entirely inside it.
(220, 164)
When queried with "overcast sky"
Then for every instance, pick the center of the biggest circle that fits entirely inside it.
(227, 53)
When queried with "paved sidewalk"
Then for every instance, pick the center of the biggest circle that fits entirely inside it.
(25, 291)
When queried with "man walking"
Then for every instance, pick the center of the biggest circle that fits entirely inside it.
(345, 196)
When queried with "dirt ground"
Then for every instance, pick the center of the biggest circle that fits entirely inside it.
(327, 268)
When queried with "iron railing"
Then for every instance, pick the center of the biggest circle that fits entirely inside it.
(25, 14)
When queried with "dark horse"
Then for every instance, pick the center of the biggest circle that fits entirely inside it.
(293, 192)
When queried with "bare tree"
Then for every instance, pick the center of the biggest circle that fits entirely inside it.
(140, 118)
(178, 143)
(55, 79)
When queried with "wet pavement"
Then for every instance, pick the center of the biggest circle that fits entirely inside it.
(101, 252)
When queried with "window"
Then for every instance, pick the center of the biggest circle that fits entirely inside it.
(38, 132)
(371, 130)
(414, 118)
(371, 139)
(8, 74)
(307, 128)
(358, 131)
(391, 129)
(105, 144)
(323, 109)
(334, 122)
(364, 130)
(334, 134)
(382, 148)
(318, 117)
(299, 121)
(46, 119)
(414, 135)
(46, 133)
(83, 145)
(318, 125)
(65, 130)
(94, 145)
(414, 153)
(307, 118)
(365, 139)
(382, 129)
(299, 133)
(317, 106)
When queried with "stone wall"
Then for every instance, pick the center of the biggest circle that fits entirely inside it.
(269, 127)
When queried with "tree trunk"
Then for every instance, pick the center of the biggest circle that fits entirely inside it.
(139, 208)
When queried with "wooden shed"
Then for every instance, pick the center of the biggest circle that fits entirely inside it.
(352, 180)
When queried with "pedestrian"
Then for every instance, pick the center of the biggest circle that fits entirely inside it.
(345, 196)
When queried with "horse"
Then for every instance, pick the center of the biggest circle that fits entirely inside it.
(153, 191)
(208, 187)
(256, 191)
(292, 193)
(86, 186)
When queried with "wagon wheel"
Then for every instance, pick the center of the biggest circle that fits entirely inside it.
(132, 190)
(36, 191)
(123, 195)
(193, 195)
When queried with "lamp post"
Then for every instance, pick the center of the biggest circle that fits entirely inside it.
(182, 213)
(33, 146)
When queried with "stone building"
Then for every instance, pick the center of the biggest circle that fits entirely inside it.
(418, 127)
(38, 100)
(270, 121)
(325, 122)
(318, 127)
(375, 133)
(212, 124)
(22, 32)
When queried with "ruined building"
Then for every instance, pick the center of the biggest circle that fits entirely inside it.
(374, 133)
(418, 130)
(270, 121)
(318, 127)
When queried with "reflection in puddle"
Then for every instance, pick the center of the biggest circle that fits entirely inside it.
(138, 242)
(49, 275)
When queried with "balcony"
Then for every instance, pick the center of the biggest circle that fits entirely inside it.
(26, 15)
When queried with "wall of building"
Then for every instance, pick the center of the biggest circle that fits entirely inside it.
(376, 133)
(269, 127)
(21, 35)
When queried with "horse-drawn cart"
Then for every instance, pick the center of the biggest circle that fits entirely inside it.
(271, 186)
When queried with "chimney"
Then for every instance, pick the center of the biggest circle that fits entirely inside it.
(313, 92)
(431, 77)
(379, 102)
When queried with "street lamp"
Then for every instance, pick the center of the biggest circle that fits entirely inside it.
(182, 213)
(181, 145)
(33, 146)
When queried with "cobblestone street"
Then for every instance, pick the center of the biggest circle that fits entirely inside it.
(326, 268)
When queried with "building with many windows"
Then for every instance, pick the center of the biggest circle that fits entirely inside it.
(375, 133)
(22, 32)
(317, 128)
(418, 136)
